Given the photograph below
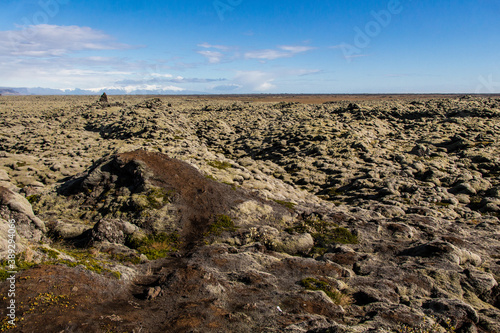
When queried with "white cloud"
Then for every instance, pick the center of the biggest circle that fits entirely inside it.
(210, 46)
(131, 88)
(213, 57)
(226, 87)
(285, 51)
(255, 80)
(46, 40)
(296, 49)
(301, 72)
(161, 75)
(267, 54)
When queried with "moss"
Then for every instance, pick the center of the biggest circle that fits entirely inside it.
(287, 204)
(116, 274)
(21, 264)
(32, 199)
(443, 204)
(155, 246)
(90, 265)
(427, 327)
(211, 177)
(338, 235)
(49, 252)
(83, 258)
(222, 223)
(312, 225)
(124, 258)
(158, 197)
(4, 275)
(220, 165)
(334, 191)
(336, 296)
(324, 234)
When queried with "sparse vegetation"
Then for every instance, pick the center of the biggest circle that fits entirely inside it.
(222, 223)
(22, 263)
(32, 199)
(210, 177)
(45, 300)
(5, 326)
(287, 204)
(336, 296)
(84, 258)
(124, 258)
(49, 252)
(158, 197)
(219, 165)
(334, 191)
(427, 327)
(155, 246)
(324, 234)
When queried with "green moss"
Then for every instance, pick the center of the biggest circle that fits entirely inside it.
(210, 177)
(83, 258)
(21, 264)
(287, 204)
(123, 258)
(324, 234)
(222, 223)
(4, 275)
(32, 199)
(51, 253)
(158, 197)
(443, 204)
(91, 265)
(335, 236)
(219, 165)
(155, 246)
(116, 274)
(336, 296)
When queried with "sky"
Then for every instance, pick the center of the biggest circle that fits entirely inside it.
(252, 46)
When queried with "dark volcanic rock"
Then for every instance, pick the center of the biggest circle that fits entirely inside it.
(103, 98)
(157, 193)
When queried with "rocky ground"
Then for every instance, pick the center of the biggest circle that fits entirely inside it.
(252, 214)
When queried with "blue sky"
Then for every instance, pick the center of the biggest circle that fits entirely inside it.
(244, 46)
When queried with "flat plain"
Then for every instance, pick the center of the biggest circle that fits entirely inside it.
(252, 213)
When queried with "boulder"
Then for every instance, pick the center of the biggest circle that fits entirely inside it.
(15, 206)
(458, 311)
(68, 230)
(112, 231)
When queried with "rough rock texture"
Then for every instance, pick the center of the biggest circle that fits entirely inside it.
(248, 216)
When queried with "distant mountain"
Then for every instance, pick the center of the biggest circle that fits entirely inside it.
(8, 91)
(111, 91)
